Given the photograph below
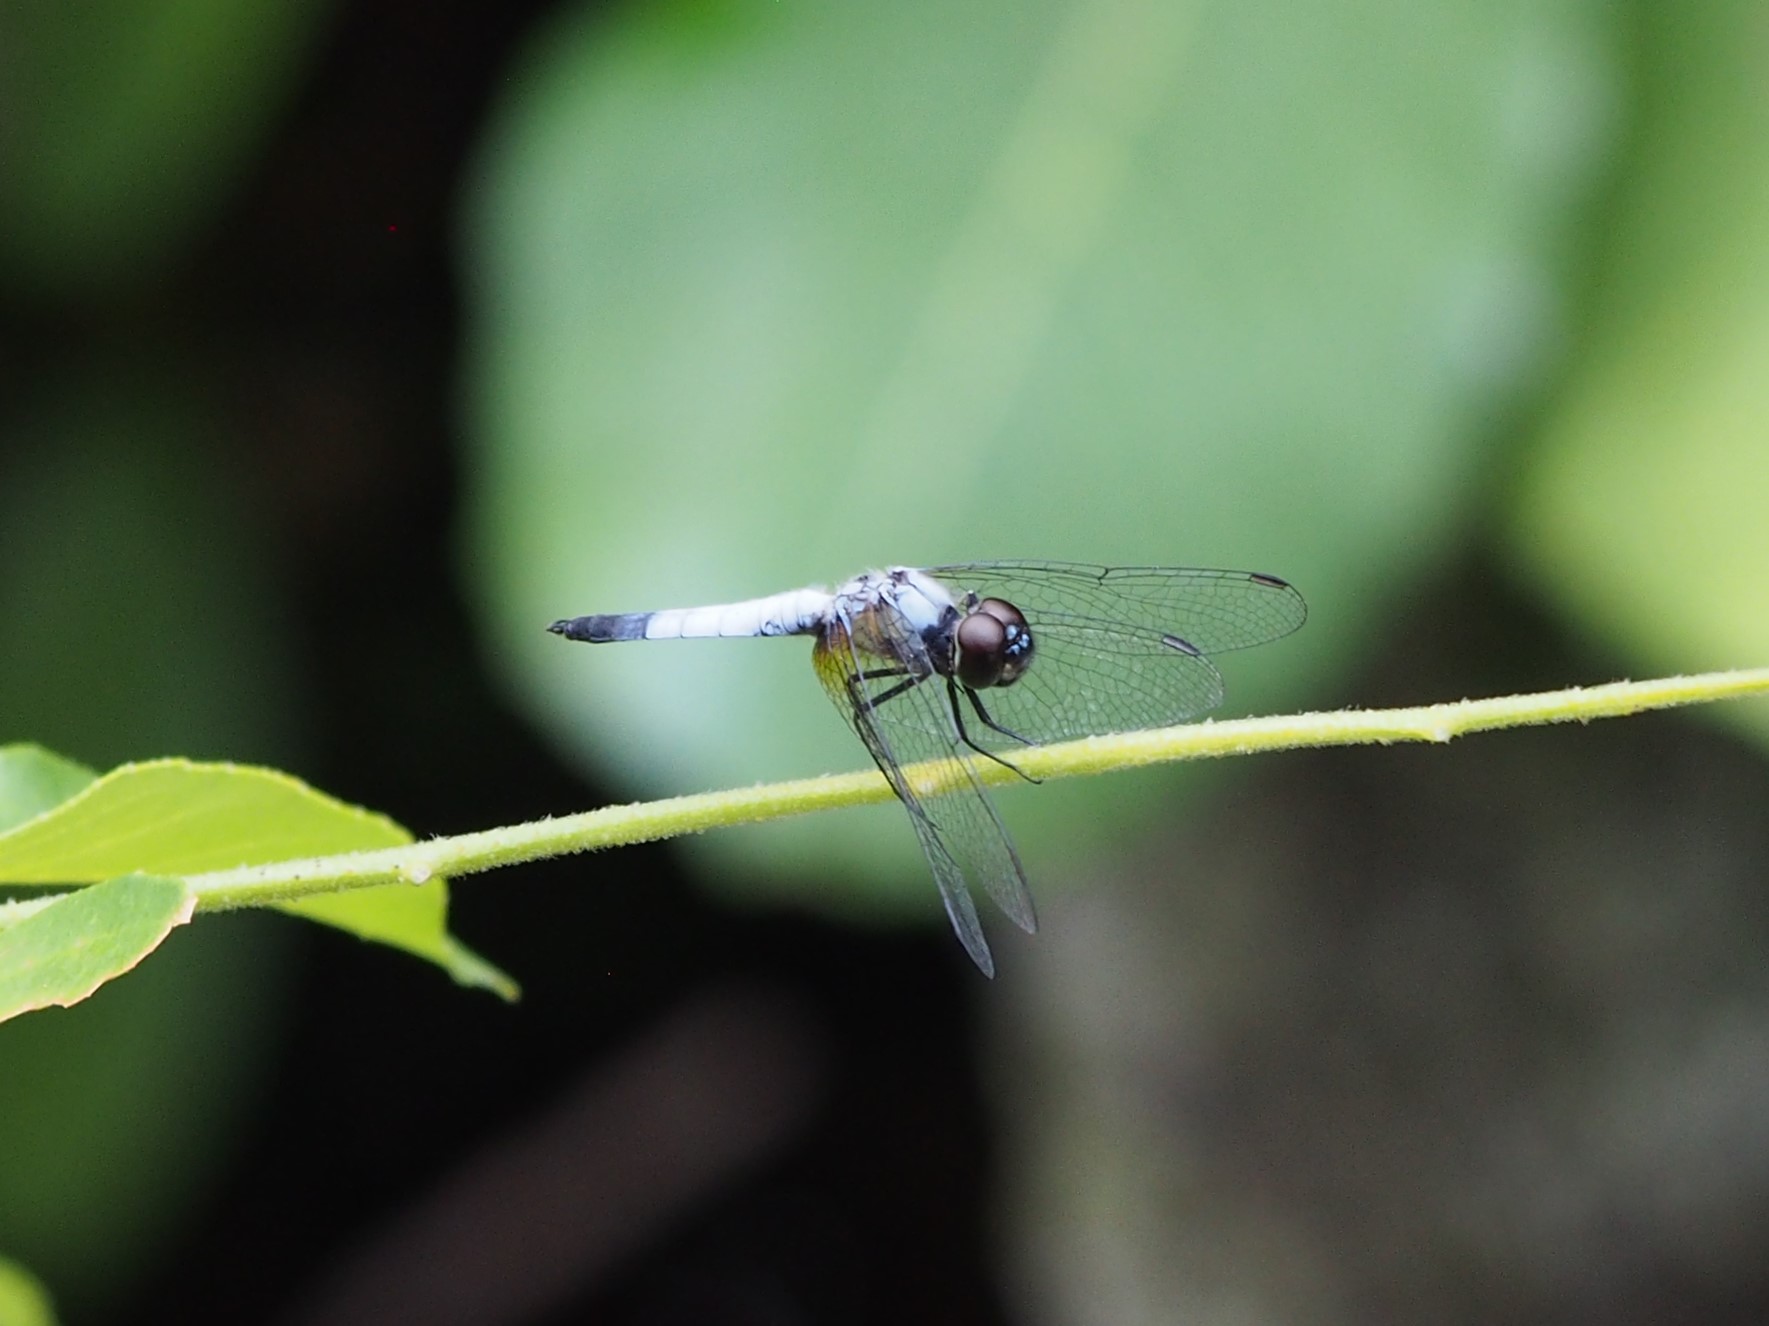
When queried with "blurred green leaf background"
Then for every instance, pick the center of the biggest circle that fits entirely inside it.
(757, 293)
(771, 295)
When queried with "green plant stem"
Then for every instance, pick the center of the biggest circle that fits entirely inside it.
(616, 826)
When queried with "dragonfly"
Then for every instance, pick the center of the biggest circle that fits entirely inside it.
(947, 669)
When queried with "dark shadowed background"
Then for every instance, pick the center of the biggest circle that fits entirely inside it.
(342, 347)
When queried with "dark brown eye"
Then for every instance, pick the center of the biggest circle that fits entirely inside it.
(982, 641)
(993, 644)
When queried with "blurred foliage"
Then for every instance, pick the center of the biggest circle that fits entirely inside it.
(1641, 510)
(137, 617)
(23, 1299)
(770, 293)
(133, 605)
(141, 609)
(119, 1111)
(767, 293)
(122, 122)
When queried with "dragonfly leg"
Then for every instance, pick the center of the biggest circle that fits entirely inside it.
(952, 689)
(910, 681)
(862, 704)
(976, 702)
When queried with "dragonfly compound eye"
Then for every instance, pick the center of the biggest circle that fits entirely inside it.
(994, 645)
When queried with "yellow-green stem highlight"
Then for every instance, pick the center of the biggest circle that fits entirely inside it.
(616, 826)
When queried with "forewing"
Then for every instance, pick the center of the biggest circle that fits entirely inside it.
(960, 831)
(1120, 649)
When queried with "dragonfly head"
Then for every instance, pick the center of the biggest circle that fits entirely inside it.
(992, 645)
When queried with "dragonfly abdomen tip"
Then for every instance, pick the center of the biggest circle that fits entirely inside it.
(602, 629)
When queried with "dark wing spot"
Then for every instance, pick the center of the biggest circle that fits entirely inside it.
(1183, 646)
(1260, 578)
(603, 629)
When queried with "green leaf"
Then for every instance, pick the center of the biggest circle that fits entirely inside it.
(176, 817)
(62, 953)
(32, 780)
(179, 817)
(23, 1299)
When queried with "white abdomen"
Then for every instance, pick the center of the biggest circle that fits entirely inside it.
(796, 612)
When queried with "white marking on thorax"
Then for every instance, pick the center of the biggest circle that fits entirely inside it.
(889, 612)
(796, 612)
(921, 599)
(916, 597)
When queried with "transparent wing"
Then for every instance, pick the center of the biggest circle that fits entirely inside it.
(1121, 648)
(960, 831)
